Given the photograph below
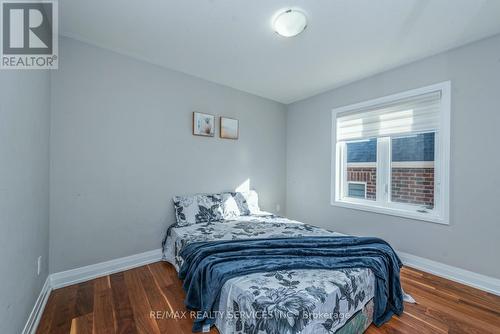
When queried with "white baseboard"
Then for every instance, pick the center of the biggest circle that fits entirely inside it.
(482, 282)
(36, 313)
(82, 274)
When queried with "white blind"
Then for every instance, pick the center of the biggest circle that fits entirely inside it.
(415, 114)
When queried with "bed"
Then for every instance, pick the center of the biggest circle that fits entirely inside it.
(285, 301)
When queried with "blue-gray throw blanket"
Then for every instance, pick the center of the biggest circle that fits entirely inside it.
(208, 265)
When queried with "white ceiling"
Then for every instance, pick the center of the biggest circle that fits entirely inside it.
(231, 42)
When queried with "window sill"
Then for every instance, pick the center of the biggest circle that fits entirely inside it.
(390, 211)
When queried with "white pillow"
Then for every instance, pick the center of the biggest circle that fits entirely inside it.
(235, 204)
(252, 199)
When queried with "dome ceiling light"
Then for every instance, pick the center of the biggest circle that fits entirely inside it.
(290, 23)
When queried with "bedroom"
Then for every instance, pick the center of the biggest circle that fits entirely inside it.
(289, 125)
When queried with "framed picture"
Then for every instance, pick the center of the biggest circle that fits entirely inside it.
(229, 128)
(203, 124)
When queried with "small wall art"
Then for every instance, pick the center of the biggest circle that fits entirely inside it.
(203, 124)
(229, 128)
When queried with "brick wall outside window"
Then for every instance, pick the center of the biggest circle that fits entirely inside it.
(413, 185)
(364, 174)
(409, 185)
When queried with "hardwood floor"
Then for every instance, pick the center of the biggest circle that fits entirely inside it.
(122, 303)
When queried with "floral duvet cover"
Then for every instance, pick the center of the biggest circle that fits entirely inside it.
(283, 302)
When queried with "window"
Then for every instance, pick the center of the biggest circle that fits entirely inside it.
(391, 155)
(362, 167)
(356, 189)
(412, 170)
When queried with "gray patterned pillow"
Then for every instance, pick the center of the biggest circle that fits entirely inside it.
(229, 206)
(198, 208)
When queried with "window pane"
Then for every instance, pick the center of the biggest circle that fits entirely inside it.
(362, 168)
(412, 169)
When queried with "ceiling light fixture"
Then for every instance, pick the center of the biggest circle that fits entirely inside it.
(290, 23)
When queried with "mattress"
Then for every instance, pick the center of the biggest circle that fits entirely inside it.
(284, 302)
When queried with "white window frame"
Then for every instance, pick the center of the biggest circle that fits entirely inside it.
(382, 204)
(358, 182)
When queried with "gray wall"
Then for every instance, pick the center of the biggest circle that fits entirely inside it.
(121, 147)
(24, 192)
(471, 239)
